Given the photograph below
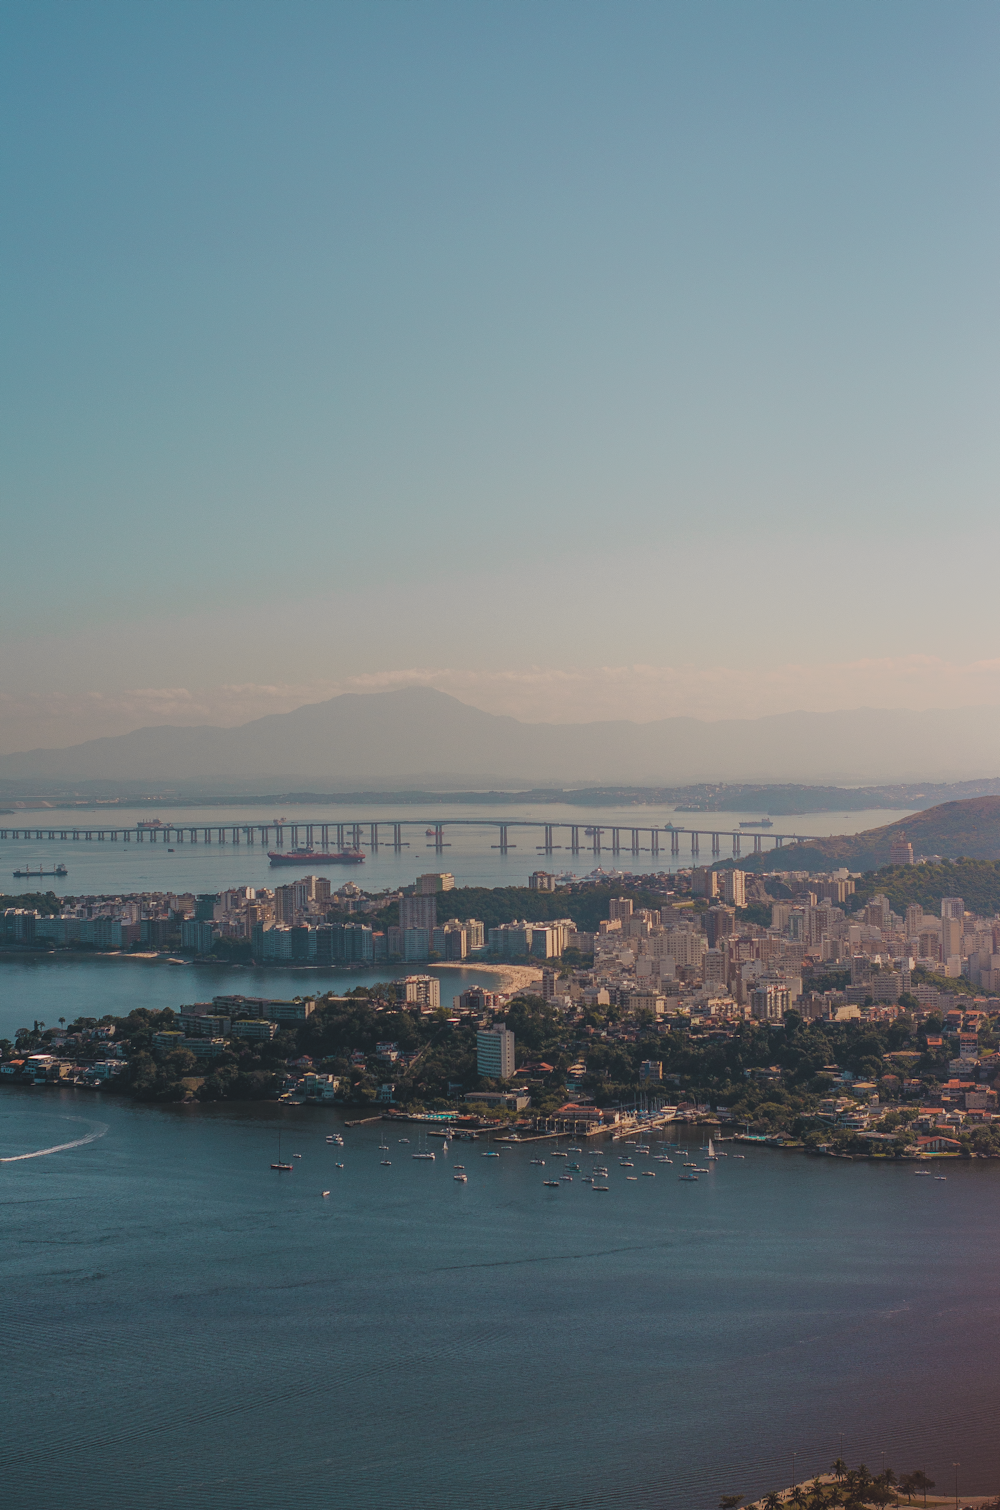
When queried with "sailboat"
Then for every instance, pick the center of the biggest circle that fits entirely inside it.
(711, 1150)
(423, 1151)
(279, 1164)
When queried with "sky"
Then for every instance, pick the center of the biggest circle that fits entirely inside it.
(583, 360)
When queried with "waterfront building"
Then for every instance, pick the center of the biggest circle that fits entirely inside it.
(495, 1052)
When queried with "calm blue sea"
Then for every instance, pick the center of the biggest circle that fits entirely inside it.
(184, 1326)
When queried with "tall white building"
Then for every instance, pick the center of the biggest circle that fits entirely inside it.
(495, 1052)
(734, 888)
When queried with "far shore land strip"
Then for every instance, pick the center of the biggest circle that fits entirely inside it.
(846, 1013)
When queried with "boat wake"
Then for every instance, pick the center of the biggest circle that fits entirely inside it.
(39, 1153)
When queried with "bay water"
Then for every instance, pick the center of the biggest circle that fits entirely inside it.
(186, 1326)
(97, 867)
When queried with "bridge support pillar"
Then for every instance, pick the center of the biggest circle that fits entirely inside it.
(574, 839)
(548, 838)
(675, 842)
(503, 838)
(694, 841)
(397, 836)
(635, 841)
(715, 844)
(756, 844)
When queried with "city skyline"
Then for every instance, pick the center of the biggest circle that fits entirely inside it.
(581, 363)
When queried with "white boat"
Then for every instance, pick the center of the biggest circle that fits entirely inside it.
(464, 1178)
(340, 1166)
(649, 1174)
(925, 1172)
(711, 1150)
(422, 1156)
(386, 1163)
(324, 1193)
(490, 1155)
(538, 1161)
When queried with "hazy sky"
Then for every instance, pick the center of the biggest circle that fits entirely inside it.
(614, 358)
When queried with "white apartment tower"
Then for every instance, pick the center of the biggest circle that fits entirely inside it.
(495, 1052)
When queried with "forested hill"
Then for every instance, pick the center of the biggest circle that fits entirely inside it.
(970, 828)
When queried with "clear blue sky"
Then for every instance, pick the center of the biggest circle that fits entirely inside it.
(343, 338)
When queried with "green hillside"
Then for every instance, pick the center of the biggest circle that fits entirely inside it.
(970, 828)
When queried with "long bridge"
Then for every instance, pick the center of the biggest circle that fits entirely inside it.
(595, 837)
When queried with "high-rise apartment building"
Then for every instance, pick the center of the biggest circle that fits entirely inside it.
(952, 907)
(952, 933)
(418, 912)
(719, 924)
(620, 907)
(704, 882)
(433, 882)
(901, 851)
(495, 1052)
(734, 888)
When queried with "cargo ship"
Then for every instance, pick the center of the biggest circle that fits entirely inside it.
(306, 856)
(758, 823)
(60, 870)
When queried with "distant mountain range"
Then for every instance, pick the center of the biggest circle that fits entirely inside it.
(422, 737)
(952, 829)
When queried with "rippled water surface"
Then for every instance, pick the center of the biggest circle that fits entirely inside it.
(187, 1327)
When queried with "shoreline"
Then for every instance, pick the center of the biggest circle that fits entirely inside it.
(516, 977)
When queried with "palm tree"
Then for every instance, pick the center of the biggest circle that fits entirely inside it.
(773, 1501)
(921, 1482)
(798, 1498)
(730, 1501)
(839, 1469)
(907, 1485)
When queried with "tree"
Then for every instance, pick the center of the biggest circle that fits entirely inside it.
(921, 1482)
(839, 1469)
(730, 1501)
(773, 1501)
(907, 1486)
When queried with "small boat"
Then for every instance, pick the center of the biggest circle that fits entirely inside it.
(739, 1155)
(633, 1177)
(386, 1163)
(648, 1174)
(340, 1166)
(625, 1164)
(574, 1149)
(538, 1161)
(711, 1150)
(588, 1179)
(918, 1172)
(940, 1176)
(575, 1167)
(490, 1155)
(689, 1165)
(296, 1156)
(567, 1177)
(661, 1158)
(693, 1177)
(600, 1187)
(464, 1178)
(324, 1193)
(330, 1138)
(427, 1155)
(458, 1166)
(557, 1153)
(404, 1140)
(552, 1184)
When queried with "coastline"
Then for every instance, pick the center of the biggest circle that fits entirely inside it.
(516, 976)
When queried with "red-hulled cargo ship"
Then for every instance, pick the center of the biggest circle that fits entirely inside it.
(307, 856)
